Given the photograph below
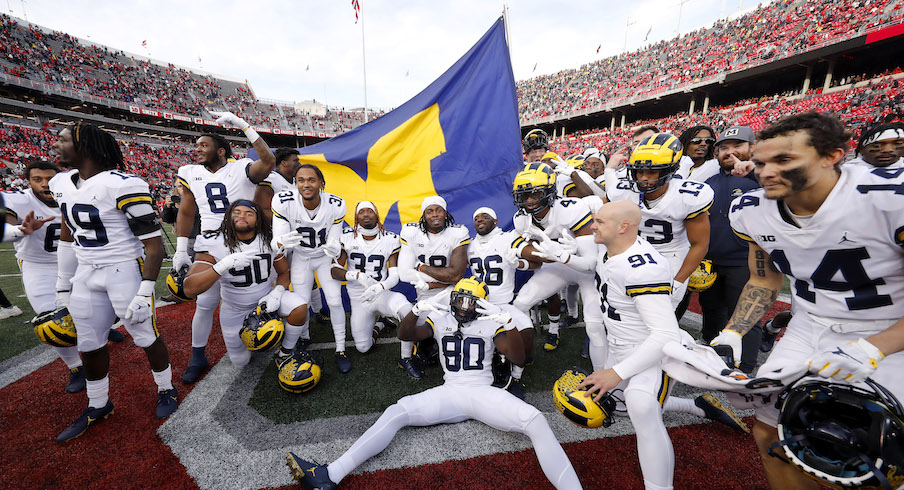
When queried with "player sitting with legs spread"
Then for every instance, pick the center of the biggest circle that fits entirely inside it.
(238, 260)
(109, 257)
(473, 326)
(369, 262)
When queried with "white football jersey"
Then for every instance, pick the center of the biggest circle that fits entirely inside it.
(368, 256)
(637, 271)
(466, 359)
(486, 259)
(289, 208)
(434, 249)
(40, 246)
(108, 215)
(663, 224)
(571, 213)
(241, 287)
(847, 261)
(278, 182)
(706, 170)
(214, 191)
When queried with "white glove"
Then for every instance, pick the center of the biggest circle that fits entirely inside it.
(551, 250)
(61, 300)
(731, 339)
(140, 308)
(511, 256)
(230, 120)
(332, 248)
(238, 260)
(270, 302)
(492, 312)
(534, 233)
(424, 306)
(360, 277)
(562, 167)
(852, 362)
(421, 285)
(181, 258)
(290, 240)
(568, 241)
(372, 291)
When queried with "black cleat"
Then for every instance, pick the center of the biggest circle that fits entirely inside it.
(552, 342)
(196, 366)
(76, 380)
(515, 387)
(343, 363)
(86, 419)
(115, 336)
(322, 318)
(585, 352)
(410, 368)
(568, 321)
(309, 474)
(167, 402)
(724, 415)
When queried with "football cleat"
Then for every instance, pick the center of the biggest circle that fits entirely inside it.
(322, 318)
(55, 328)
(343, 363)
(302, 345)
(552, 342)
(76, 380)
(410, 368)
(115, 336)
(702, 278)
(662, 152)
(175, 283)
(262, 330)
(568, 321)
(89, 417)
(585, 352)
(718, 413)
(577, 405)
(309, 474)
(196, 365)
(515, 387)
(282, 355)
(299, 373)
(167, 402)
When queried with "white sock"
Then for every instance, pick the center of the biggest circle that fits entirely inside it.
(338, 322)
(517, 371)
(164, 379)
(98, 392)
(293, 332)
(407, 348)
(554, 324)
(686, 405)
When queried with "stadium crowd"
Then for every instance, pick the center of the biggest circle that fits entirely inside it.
(774, 30)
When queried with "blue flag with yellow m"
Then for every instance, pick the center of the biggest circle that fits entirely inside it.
(459, 138)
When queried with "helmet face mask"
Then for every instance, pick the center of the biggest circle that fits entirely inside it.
(660, 152)
(534, 189)
(536, 138)
(261, 330)
(175, 282)
(841, 434)
(463, 300)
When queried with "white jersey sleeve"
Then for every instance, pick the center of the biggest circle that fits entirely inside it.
(41, 245)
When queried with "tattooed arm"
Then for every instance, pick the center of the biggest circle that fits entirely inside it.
(758, 294)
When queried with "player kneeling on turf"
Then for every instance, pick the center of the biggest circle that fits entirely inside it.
(238, 258)
(473, 326)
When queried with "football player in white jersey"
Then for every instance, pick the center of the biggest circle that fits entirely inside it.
(675, 219)
(881, 146)
(635, 282)
(837, 232)
(467, 336)
(238, 259)
(208, 188)
(369, 262)
(109, 257)
(308, 221)
(434, 257)
(542, 219)
(281, 179)
(37, 253)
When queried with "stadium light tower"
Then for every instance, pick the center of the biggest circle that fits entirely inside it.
(628, 24)
(680, 8)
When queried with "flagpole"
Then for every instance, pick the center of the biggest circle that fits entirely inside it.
(508, 42)
(363, 60)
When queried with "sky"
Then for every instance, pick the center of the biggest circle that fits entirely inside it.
(296, 50)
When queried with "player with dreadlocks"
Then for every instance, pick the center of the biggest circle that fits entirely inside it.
(434, 257)
(110, 235)
(369, 262)
(237, 259)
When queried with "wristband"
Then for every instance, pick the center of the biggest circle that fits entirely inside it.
(146, 288)
(182, 244)
(351, 275)
(251, 134)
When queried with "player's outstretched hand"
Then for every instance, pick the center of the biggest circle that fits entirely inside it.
(852, 362)
(30, 224)
(493, 312)
(230, 120)
(371, 292)
(741, 167)
(238, 260)
(289, 240)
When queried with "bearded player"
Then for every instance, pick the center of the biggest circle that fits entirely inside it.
(473, 326)
(208, 188)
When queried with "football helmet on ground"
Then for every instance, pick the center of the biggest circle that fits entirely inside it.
(55, 328)
(536, 180)
(702, 278)
(841, 434)
(463, 300)
(577, 405)
(299, 373)
(261, 330)
(174, 282)
(662, 152)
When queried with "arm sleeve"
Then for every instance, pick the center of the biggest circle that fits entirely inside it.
(66, 265)
(657, 314)
(594, 187)
(407, 259)
(392, 278)
(135, 201)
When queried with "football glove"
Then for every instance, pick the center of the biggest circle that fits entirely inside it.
(561, 167)
(493, 312)
(551, 250)
(289, 240)
(361, 278)
(61, 300)
(230, 120)
(140, 309)
(270, 302)
(238, 260)
(568, 241)
(731, 339)
(332, 248)
(852, 362)
(371, 292)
